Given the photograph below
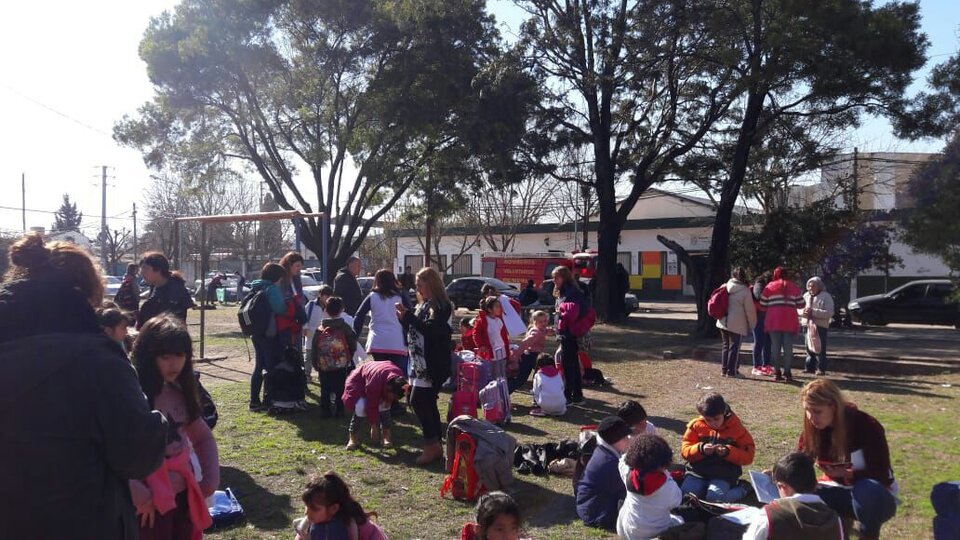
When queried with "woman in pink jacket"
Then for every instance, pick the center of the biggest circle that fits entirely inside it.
(781, 299)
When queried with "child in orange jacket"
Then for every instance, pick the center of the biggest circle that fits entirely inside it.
(716, 446)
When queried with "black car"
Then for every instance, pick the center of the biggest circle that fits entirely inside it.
(927, 301)
(465, 292)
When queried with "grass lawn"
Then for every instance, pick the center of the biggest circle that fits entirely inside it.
(266, 460)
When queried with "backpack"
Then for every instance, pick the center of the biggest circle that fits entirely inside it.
(463, 483)
(718, 302)
(254, 313)
(581, 325)
(330, 349)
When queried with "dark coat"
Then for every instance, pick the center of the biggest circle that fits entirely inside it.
(74, 423)
(345, 286)
(575, 295)
(433, 324)
(600, 489)
(171, 297)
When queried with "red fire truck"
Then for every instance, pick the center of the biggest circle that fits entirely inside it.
(517, 268)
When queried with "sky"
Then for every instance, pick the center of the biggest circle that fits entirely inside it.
(69, 70)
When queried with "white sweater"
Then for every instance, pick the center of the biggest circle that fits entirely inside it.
(548, 392)
(643, 517)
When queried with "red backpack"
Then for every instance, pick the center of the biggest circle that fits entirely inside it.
(463, 483)
(582, 324)
(718, 303)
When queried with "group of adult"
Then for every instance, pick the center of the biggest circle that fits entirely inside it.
(774, 311)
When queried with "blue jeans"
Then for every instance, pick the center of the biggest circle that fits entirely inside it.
(781, 345)
(817, 361)
(714, 490)
(761, 343)
(869, 502)
(730, 353)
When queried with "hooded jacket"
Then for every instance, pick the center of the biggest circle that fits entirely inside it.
(741, 313)
(649, 498)
(781, 299)
(74, 423)
(171, 297)
(482, 338)
(821, 305)
(548, 390)
(369, 381)
(601, 488)
(732, 434)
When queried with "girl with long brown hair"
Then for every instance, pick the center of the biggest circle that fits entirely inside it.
(850, 447)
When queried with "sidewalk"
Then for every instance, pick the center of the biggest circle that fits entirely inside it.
(891, 350)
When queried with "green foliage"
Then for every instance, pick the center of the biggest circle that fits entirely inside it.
(932, 227)
(353, 97)
(935, 113)
(67, 218)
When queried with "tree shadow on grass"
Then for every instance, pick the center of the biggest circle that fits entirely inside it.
(887, 386)
(264, 510)
(669, 424)
(550, 508)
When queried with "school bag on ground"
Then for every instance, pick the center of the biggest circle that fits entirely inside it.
(225, 509)
(330, 349)
(463, 483)
(493, 455)
(254, 313)
(719, 302)
(495, 396)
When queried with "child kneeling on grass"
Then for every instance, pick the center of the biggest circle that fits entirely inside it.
(498, 518)
(800, 512)
(333, 514)
(370, 391)
(716, 447)
(548, 388)
(651, 492)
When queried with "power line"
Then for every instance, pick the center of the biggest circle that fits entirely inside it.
(57, 112)
(34, 210)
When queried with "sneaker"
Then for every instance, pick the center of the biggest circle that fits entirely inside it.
(788, 376)
(537, 412)
(579, 401)
(758, 372)
(256, 407)
(767, 370)
(821, 373)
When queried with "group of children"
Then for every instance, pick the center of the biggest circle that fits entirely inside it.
(630, 486)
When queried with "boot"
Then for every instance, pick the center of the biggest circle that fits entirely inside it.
(387, 438)
(353, 442)
(778, 375)
(431, 452)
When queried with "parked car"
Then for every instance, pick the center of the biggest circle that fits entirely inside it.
(366, 284)
(111, 286)
(545, 300)
(311, 287)
(926, 301)
(465, 292)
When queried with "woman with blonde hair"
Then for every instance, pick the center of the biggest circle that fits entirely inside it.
(428, 337)
(850, 447)
(77, 425)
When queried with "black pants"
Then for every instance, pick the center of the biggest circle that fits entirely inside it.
(572, 383)
(331, 385)
(528, 361)
(424, 403)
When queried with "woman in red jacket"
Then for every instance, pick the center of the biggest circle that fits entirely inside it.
(850, 447)
(781, 299)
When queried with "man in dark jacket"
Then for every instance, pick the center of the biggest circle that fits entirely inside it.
(74, 423)
(601, 488)
(345, 286)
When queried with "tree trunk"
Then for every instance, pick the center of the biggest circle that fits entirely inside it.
(719, 257)
(609, 307)
(697, 274)
(428, 233)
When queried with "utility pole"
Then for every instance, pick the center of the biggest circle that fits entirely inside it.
(23, 200)
(135, 233)
(103, 218)
(855, 199)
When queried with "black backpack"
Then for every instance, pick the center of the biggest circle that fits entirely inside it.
(254, 313)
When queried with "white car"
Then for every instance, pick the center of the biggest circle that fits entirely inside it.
(111, 286)
(311, 287)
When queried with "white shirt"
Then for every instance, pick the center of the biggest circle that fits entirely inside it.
(760, 528)
(646, 516)
(494, 325)
(315, 315)
(511, 318)
(548, 393)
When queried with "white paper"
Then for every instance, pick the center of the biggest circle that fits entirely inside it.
(744, 517)
(764, 487)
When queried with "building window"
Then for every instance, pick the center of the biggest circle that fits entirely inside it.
(415, 262)
(626, 259)
(462, 265)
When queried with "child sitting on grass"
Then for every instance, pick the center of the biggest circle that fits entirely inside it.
(799, 512)
(370, 390)
(651, 492)
(716, 447)
(633, 413)
(498, 518)
(332, 513)
(548, 388)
